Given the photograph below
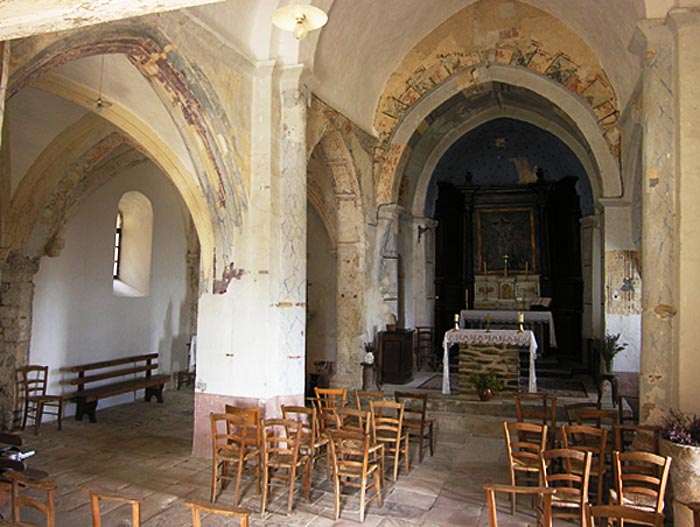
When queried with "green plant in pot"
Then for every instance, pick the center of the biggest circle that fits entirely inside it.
(485, 384)
(680, 439)
(607, 347)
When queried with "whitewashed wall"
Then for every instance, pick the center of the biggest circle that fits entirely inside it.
(78, 319)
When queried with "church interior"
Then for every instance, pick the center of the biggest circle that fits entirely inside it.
(256, 208)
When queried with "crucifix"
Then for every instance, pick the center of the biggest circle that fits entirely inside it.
(505, 264)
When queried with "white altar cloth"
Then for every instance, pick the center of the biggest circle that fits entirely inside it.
(495, 336)
(511, 317)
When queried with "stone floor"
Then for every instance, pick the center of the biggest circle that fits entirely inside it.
(143, 449)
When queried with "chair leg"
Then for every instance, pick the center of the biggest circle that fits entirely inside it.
(37, 417)
(363, 489)
(26, 414)
(239, 476)
(512, 494)
(292, 480)
(420, 446)
(215, 471)
(407, 462)
(430, 429)
(378, 487)
(336, 489)
(396, 462)
(60, 414)
(263, 502)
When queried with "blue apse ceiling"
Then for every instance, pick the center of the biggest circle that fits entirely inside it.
(506, 152)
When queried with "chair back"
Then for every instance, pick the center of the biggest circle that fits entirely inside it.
(558, 469)
(621, 513)
(229, 436)
(363, 398)
(415, 405)
(33, 379)
(349, 451)
(593, 440)
(251, 416)
(573, 409)
(19, 500)
(598, 418)
(331, 397)
(387, 420)
(353, 420)
(544, 493)
(524, 442)
(98, 494)
(641, 479)
(643, 438)
(281, 442)
(203, 507)
(308, 423)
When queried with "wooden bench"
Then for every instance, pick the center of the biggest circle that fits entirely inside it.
(141, 368)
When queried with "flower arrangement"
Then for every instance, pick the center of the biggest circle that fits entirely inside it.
(608, 346)
(369, 353)
(680, 428)
(487, 381)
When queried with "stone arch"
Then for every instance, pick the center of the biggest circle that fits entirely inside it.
(350, 244)
(188, 97)
(572, 107)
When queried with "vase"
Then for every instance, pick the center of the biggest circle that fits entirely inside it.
(685, 481)
(485, 394)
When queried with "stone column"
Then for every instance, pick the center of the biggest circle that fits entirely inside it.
(685, 25)
(16, 297)
(388, 235)
(659, 189)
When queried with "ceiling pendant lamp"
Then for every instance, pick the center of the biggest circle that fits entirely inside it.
(299, 19)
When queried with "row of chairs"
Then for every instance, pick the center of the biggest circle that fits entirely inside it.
(640, 478)
(25, 491)
(354, 442)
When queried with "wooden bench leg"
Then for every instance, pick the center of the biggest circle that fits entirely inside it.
(155, 391)
(84, 408)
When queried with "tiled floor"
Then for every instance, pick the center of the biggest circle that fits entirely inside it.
(143, 449)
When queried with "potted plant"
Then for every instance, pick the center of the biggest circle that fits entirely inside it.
(607, 347)
(680, 439)
(486, 383)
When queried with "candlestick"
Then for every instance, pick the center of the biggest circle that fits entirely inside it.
(521, 320)
(456, 321)
(488, 318)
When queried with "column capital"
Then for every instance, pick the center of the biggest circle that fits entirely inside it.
(680, 19)
(389, 211)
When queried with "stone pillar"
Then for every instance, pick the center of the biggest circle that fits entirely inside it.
(424, 271)
(251, 334)
(350, 299)
(659, 306)
(388, 236)
(16, 297)
(685, 25)
(592, 263)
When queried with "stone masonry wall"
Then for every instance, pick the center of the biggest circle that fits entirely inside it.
(479, 358)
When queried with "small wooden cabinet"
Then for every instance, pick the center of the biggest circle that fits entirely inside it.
(395, 360)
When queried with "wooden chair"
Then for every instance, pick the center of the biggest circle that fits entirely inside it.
(98, 493)
(524, 442)
(598, 418)
(618, 514)
(353, 467)
(282, 459)
(573, 409)
(415, 421)
(363, 398)
(643, 438)
(640, 480)
(544, 494)
(253, 438)
(593, 440)
(20, 481)
(387, 429)
(229, 450)
(34, 380)
(537, 408)
(313, 444)
(327, 400)
(200, 507)
(425, 348)
(353, 420)
(557, 470)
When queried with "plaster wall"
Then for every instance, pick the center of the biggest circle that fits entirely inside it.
(35, 118)
(77, 318)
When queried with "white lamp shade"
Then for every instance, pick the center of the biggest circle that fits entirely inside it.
(286, 17)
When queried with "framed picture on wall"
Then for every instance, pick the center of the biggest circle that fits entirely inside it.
(506, 232)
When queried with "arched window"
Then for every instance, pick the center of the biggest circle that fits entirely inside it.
(117, 244)
(133, 236)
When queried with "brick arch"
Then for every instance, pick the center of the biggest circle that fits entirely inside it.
(188, 97)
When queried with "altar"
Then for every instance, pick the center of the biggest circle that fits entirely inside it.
(542, 322)
(483, 351)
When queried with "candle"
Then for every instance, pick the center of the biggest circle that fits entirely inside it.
(521, 317)
(456, 321)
